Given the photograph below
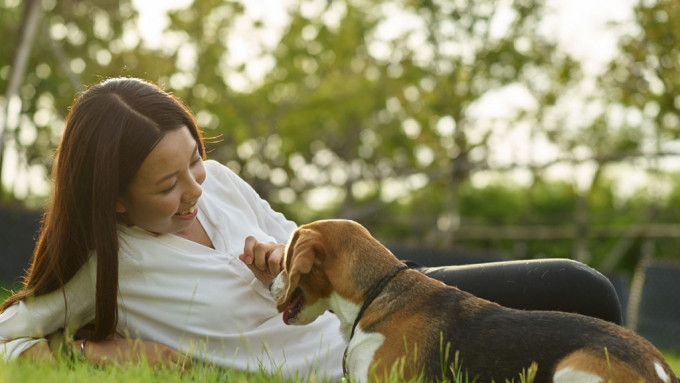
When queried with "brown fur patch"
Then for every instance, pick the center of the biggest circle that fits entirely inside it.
(401, 345)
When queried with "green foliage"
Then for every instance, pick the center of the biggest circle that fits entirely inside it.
(5, 292)
(644, 76)
(673, 360)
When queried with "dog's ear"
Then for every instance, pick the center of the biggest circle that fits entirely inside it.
(305, 248)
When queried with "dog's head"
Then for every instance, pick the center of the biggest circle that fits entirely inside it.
(324, 258)
(302, 288)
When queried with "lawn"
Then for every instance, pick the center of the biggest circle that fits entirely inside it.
(674, 361)
(28, 372)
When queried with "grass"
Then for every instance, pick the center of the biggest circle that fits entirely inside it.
(31, 372)
(673, 360)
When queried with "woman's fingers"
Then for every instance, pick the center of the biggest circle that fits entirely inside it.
(264, 259)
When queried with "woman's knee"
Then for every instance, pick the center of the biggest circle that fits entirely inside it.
(592, 291)
(544, 284)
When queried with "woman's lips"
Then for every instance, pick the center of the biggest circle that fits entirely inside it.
(189, 213)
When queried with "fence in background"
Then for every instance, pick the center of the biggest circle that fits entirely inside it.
(18, 232)
(651, 302)
(654, 305)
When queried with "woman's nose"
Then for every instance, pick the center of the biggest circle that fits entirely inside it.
(193, 190)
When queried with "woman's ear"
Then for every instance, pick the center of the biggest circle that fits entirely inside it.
(120, 207)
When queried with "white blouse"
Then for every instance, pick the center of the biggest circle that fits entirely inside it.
(195, 299)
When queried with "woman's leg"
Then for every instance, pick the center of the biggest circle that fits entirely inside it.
(546, 284)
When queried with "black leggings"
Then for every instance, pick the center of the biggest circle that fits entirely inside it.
(545, 284)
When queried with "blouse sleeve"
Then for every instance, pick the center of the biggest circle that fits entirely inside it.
(27, 322)
(271, 221)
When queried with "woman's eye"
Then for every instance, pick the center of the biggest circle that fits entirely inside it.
(168, 190)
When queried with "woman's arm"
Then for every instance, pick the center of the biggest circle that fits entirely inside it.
(114, 351)
(27, 323)
(39, 352)
(121, 350)
(23, 328)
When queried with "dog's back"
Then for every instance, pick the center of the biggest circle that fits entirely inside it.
(498, 343)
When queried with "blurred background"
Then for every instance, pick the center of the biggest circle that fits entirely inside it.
(472, 130)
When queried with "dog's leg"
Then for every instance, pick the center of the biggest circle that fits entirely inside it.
(598, 367)
(570, 375)
(360, 353)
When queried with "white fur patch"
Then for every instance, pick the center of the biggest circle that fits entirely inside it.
(346, 311)
(569, 375)
(360, 353)
(662, 373)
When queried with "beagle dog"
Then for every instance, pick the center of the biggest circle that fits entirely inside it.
(397, 320)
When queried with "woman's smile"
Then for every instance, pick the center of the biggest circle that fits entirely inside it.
(189, 213)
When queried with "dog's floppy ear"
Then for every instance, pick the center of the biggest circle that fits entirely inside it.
(304, 249)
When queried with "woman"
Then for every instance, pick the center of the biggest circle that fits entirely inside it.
(144, 239)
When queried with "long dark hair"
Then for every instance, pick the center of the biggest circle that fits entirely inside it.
(110, 129)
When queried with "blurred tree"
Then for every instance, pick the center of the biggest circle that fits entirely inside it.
(641, 122)
(381, 111)
(27, 30)
(645, 75)
(367, 102)
(75, 44)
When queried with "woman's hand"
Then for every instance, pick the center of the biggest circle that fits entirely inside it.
(264, 259)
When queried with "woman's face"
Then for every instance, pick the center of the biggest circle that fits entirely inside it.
(163, 195)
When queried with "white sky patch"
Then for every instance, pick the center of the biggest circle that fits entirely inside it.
(503, 103)
(585, 28)
(672, 164)
(248, 44)
(153, 18)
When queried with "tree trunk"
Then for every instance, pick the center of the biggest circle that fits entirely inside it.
(27, 30)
